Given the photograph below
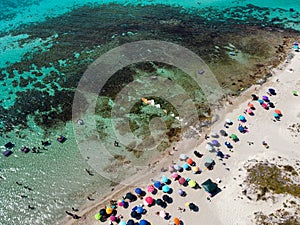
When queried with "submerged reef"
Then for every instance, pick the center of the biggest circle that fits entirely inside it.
(239, 44)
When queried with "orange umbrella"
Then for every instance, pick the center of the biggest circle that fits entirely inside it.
(251, 106)
(189, 161)
(278, 111)
(176, 221)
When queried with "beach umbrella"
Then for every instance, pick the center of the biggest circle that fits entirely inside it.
(181, 180)
(265, 106)
(176, 221)
(295, 93)
(162, 214)
(250, 105)
(215, 142)
(189, 161)
(180, 192)
(254, 97)
(139, 209)
(171, 168)
(276, 115)
(192, 206)
(209, 160)
(249, 111)
(138, 191)
(177, 167)
(102, 212)
(223, 133)
(121, 203)
(272, 91)
(164, 179)
(166, 188)
(241, 129)
(130, 222)
(150, 188)
(166, 198)
(228, 145)
(183, 156)
(228, 121)
(149, 200)
(185, 166)
(113, 218)
(278, 111)
(214, 134)
(192, 183)
(265, 98)
(159, 201)
(109, 210)
(220, 154)
(209, 147)
(97, 216)
(157, 184)
(122, 222)
(241, 118)
(129, 196)
(260, 101)
(133, 214)
(195, 169)
(144, 222)
(175, 175)
(233, 136)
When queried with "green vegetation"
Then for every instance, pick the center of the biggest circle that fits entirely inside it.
(269, 177)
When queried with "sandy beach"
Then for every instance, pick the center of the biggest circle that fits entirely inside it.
(227, 207)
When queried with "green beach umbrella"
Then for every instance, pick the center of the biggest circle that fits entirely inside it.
(295, 93)
(97, 216)
(233, 136)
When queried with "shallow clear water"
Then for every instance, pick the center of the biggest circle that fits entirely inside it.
(57, 176)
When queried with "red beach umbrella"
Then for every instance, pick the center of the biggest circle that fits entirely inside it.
(149, 200)
(181, 180)
(189, 161)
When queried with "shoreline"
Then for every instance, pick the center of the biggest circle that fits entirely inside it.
(184, 145)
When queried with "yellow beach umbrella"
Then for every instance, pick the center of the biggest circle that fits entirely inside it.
(109, 210)
(192, 183)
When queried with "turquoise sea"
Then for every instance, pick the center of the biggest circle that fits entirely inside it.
(45, 47)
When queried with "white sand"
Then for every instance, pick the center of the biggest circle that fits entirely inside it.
(226, 208)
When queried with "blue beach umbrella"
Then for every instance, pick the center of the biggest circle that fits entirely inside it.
(157, 184)
(260, 101)
(139, 209)
(276, 115)
(166, 188)
(185, 166)
(241, 118)
(130, 222)
(122, 222)
(138, 191)
(144, 222)
(241, 129)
